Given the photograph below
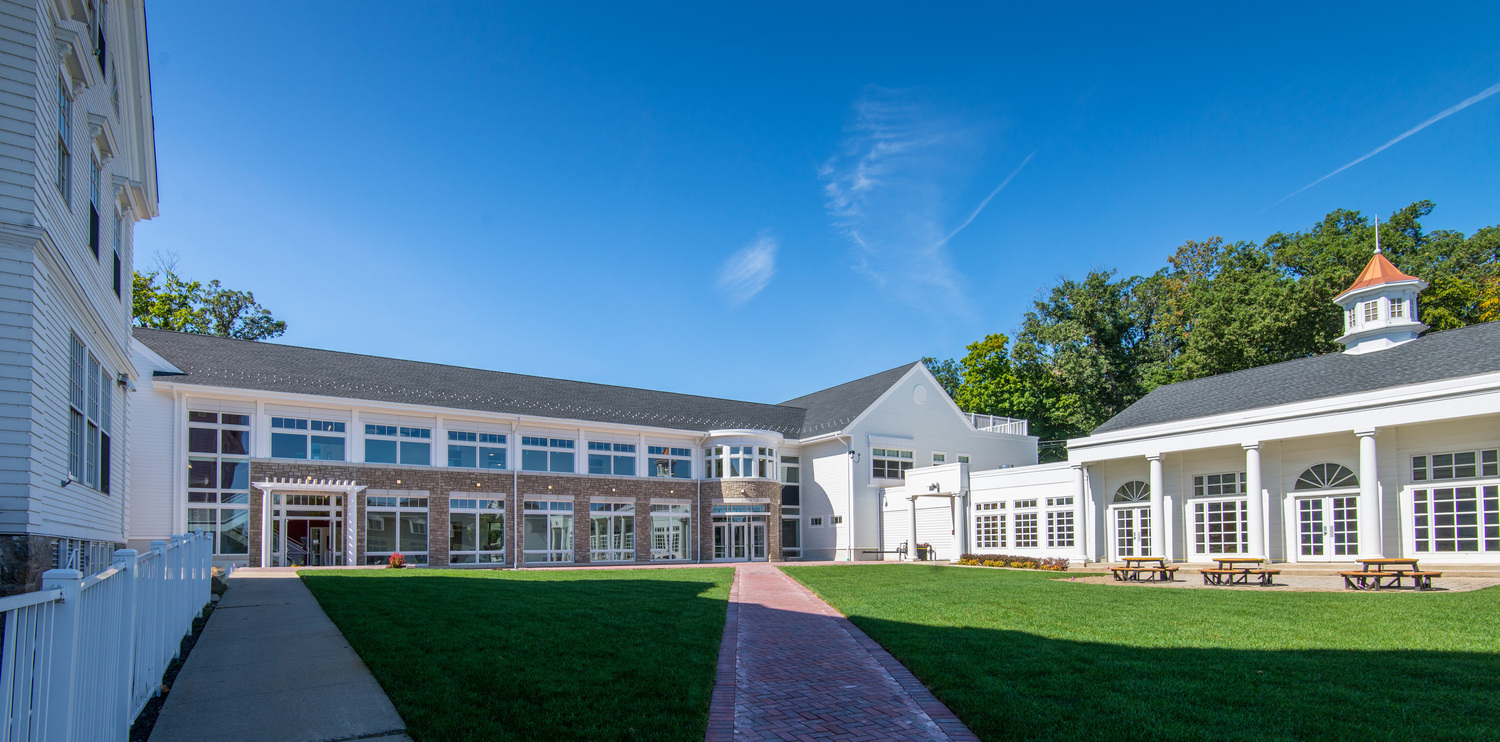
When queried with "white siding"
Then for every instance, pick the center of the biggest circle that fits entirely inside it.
(154, 500)
(825, 493)
(934, 425)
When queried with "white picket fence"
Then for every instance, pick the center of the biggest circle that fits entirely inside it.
(83, 655)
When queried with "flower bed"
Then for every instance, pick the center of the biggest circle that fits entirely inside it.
(1051, 564)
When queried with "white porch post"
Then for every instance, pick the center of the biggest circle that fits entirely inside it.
(1369, 499)
(1158, 531)
(265, 526)
(911, 545)
(1081, 524)
(1255, 501)
(352, 525)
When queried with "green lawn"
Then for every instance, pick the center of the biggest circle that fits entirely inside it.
(490, 655)
(1021, 655)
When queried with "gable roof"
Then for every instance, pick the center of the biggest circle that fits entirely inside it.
(261, 366)
(1377, 272)
(833, 408)
(1450, 354)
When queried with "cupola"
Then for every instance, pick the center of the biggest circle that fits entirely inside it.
(1380, 308)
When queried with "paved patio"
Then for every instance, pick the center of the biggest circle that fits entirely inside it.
(792, 668)
(271, 667)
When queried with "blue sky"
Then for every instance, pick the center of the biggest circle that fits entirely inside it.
(763, 200)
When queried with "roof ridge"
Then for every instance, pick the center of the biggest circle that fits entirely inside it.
(903, 367)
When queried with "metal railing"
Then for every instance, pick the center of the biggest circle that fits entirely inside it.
(997, 424)
(82, 656)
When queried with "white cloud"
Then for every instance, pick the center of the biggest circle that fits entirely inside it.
(749, 270)
(888, 193)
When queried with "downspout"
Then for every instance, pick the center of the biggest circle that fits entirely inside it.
(515, 494)
(849, 443)
(698, 513)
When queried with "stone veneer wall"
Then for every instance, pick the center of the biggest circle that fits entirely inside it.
(438, 484)
(24, 557)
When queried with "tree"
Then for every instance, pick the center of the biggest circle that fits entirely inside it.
(1090, 348)
(163, 300)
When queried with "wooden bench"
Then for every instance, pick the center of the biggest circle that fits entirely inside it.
(1133, 574)
(1238, 576)
(1372, 579)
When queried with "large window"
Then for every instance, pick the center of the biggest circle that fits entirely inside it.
(890, 463)
(666, 461)
(739, 462)
(90, 418)
(548, 531)
(297, 438)
(1059, 523)
(395, 524)
(398, 444)
(546, 454)
(476, 450)
(476, 531)
(219, 479)
(1026, 530)
(612, 458)
(611, 532)
(671, 530)
(1457, 519)
(1221, 527)
(1460, 465)
(989, 526)
(791, 513)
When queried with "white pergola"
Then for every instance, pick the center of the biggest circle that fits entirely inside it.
(345, 487)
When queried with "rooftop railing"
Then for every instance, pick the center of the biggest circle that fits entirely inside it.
(997, 424)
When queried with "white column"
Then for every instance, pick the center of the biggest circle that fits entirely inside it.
(260, 432)
(1081, 524)
(1369, 500)
(911, 544)
(265, 528)
(1159, 546)
(1255, 501)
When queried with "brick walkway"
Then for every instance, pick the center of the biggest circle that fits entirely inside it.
(792, 668)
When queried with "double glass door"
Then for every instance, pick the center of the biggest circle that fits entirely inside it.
(1328, 528)
(740, 540)
(1133, 532)
(306, 541)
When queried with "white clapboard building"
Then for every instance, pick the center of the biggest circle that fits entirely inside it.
(1390, 448)
(77, 171)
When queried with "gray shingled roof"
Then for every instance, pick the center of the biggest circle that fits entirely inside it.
(243, 364)
(1435, 356)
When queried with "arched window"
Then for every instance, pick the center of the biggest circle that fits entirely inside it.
(1326, 477)
(1133, 492)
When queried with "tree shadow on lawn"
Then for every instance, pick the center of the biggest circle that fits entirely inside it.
(1010, 685)
(538, 655)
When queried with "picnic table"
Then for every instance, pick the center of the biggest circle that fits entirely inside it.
(1387, 572)
(1139, 569)
(1230, 572)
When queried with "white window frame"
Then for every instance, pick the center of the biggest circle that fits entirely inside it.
(618, 543)
(939, 458)
(472, 508)
(553, 447)
(558, 515)
(609, 452)
(398, 506)
(227, 504)
(891, 459)
(1213, 484)
(989, 528)
(672, 457)
(739, 462)
(1426, 468)
(402, 435)
(478, 443)
(677, 521)
(1371, 311)
(1429, 525)
(815, 521)
(1398, 308)
(307, 429)
(962, 458)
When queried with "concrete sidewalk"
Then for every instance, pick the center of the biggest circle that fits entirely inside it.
(272, 667)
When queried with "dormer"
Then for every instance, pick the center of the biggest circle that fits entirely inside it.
(1380, 308)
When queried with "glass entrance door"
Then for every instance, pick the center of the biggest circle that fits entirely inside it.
(1328, 528)
(1132, 532)
(740, 540)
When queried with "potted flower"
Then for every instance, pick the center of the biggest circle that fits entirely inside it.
(397, 561)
